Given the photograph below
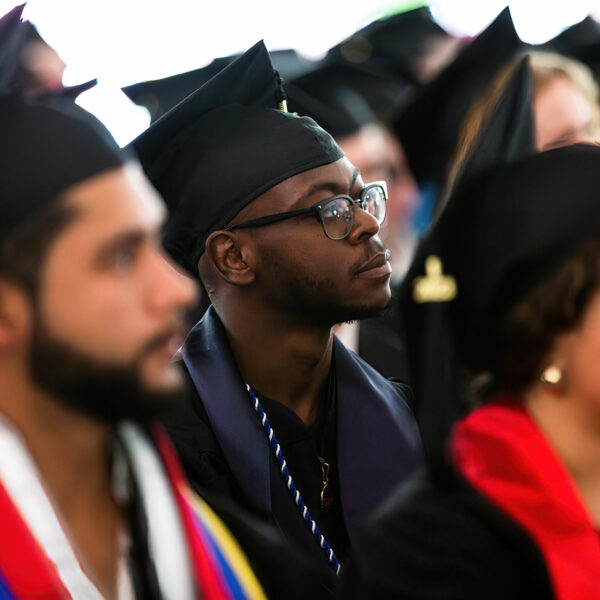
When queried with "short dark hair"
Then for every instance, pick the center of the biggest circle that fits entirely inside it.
(23, 251)
(555, 306)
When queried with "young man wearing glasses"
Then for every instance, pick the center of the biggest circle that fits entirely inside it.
(282, 232)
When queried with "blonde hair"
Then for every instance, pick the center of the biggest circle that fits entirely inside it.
(547, 66)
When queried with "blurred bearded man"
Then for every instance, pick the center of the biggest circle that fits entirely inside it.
(93, 503)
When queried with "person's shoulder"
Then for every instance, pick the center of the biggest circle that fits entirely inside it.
(444, 541)
(187, 413)
(190, 430)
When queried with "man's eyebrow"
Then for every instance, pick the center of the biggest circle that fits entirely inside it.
(355, 175)
(323, 186)
(329, 186)
(127, 239)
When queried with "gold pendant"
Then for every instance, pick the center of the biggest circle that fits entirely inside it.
(325, 502)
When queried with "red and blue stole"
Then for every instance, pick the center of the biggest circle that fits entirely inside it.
(501, 452)
(221, 570)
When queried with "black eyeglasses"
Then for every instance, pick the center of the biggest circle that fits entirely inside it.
(336, 214)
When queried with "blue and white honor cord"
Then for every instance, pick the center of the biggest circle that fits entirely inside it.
(314, 528)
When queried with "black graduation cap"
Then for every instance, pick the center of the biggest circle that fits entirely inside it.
(500, 235)
(291, 65)
(581, 41)
(47, 143)
(428, 127)
(393, 44)
(225, 145)
(342, 98)
(73, 91)
(432, 289)
(13, 36)
(507, 133)
(581, 35)
(31, 34)
(46, 146)
(160, 95)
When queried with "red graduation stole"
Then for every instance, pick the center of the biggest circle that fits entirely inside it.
(501, 452)
(26, 572)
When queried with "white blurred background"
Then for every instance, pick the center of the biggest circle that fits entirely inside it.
(120, 42)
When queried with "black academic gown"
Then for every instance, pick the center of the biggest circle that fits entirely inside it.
(444, 541)
(380, 345)
(283, 572)
(224, 448)
(381, 342)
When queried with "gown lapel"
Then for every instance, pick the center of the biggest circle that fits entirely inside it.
(378, 441)
(211, 365)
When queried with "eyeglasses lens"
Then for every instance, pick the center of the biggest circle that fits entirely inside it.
(373, 201)
(338, 218)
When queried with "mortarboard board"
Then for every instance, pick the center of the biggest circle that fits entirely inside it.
(47, 143)
(431, 289)
(15, 34)
(581, 42)
(342, 98)
(507, 133)
(291, 65)
(576, 40)
(393, 44)
(222, 147)
(160, 95)
(428, 127)
(73, 91)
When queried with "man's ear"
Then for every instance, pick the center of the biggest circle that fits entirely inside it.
(231, 258)
(14, 314)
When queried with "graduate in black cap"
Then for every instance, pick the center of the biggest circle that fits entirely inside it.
(282, 231)
(505, 293)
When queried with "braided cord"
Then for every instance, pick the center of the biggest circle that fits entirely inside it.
(291, 486)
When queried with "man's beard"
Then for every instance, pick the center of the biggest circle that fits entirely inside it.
(101, 390)
(314, 300)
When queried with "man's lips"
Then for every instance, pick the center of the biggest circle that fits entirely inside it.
(378, 266)
(168, 342)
